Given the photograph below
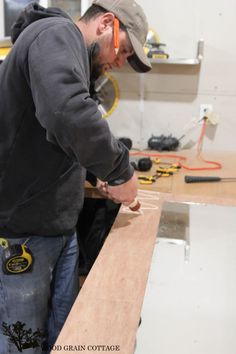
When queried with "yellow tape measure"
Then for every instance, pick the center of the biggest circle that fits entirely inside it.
(16, 259)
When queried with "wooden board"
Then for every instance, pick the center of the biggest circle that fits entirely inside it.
(107, 310)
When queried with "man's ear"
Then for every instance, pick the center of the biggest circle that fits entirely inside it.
(105, 22)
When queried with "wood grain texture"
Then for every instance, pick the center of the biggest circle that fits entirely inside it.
(107, 310)
(108, 307)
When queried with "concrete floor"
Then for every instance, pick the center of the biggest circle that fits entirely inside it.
(190, 306)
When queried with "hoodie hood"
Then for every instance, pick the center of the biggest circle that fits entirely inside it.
(34, 12)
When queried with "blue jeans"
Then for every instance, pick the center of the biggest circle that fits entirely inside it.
(34, 305)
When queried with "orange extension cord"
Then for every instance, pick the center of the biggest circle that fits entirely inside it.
(214, 165)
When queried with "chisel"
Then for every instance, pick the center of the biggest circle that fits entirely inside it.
(197, 179)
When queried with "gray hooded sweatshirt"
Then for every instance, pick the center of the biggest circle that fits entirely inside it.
(50, 128)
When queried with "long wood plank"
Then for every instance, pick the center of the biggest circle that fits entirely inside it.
(106, 313)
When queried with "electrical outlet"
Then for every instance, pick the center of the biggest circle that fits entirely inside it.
(205, 109)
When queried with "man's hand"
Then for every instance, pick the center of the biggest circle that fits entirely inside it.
(124, 193)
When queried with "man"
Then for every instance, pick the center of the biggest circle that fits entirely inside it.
(50, 132)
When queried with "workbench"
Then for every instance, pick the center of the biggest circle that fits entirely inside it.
(176, 189)
(106, 314)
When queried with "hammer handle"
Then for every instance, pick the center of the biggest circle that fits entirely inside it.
(197, 179)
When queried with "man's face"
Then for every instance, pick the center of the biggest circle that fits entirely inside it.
(106, 58)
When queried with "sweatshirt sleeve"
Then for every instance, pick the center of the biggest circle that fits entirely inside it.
(58, 76)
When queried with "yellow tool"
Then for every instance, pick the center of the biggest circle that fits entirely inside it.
(16, 258)
(165, 174)
(171, 165)
(151, 179)
(3, 52)
(162, 170)
(106, 94)
(147, 179)
(176, 165)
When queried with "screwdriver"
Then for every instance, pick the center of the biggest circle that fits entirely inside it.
(197, 179)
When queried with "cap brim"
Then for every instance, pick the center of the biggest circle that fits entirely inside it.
(139, 60)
